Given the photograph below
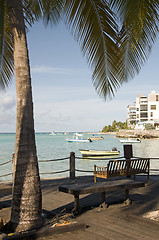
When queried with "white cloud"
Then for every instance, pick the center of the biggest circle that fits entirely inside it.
(81, 115)
(7, 113)
(53, 70)
(7, 102)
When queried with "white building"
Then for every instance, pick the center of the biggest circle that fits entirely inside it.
(131, 111)
(145, 110)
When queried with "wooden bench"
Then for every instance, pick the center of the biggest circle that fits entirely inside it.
(126, 167)
(88, 188)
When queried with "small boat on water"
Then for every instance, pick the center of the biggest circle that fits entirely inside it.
(96, 138)
(78, 138)
(98, 153)
(130, 140)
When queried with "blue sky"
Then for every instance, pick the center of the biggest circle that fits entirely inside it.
(63, 93)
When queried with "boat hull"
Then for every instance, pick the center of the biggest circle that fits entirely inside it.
(98, 154)
(96, 138)
(130, 140)
(77, 140)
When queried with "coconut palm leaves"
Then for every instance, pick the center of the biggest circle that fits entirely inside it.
(93, 24)
(139, 21)
(33, 10)
(50, 10)
(114, 56)
(6, 47)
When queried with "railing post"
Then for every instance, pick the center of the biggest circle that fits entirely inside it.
(13, 167)
(128, 154)
(72, 165)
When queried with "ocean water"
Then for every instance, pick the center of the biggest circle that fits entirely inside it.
(56, 147)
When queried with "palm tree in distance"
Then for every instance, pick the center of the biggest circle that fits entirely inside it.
(114, 56)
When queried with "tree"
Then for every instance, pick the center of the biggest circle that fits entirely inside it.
(149, 126)
(93, 25)
(115, 126)
(26, 199)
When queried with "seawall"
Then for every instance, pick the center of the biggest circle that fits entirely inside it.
(143, 134)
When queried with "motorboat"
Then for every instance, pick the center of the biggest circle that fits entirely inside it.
(98, 153)
(130, 140)
(78, 138)
(96, 138)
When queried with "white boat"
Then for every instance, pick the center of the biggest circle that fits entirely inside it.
(78, 138)
(130, 140)
(52, 133)
(98, 153)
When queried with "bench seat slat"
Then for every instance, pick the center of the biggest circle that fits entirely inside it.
(78, 189)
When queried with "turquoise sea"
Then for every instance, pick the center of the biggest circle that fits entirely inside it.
(56, 147)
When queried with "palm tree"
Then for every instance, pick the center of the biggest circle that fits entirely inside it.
(99, 46)
(26, 200)
(113, 57)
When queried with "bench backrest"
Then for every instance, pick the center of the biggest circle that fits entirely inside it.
(139, 165)
(116, 168)
(127, 167)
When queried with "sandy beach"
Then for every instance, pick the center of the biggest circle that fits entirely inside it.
(118, 221)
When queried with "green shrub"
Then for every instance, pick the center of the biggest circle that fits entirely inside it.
(149, 126)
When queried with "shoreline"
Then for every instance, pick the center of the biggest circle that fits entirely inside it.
(130, 133)
(145, 134)
(101, 133)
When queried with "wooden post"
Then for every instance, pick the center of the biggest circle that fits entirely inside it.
(128, 154)
(13, 168)
(103, 200)
(148, 176)
(127, 201)
(76, 203)
(95, 173)
(72, 165)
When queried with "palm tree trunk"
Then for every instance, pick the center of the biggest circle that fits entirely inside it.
(26, 200)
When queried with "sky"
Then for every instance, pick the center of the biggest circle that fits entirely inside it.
(63, 93)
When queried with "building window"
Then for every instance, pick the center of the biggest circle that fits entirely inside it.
(157, 98)
(137, 109)
(143, 120)
(143, 115)
(143, 107)
(151, 114)
(137, 116)
(153, 107)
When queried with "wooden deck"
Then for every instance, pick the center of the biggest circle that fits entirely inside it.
(114, 223)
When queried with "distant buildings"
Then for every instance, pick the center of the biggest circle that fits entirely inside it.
(145, 110)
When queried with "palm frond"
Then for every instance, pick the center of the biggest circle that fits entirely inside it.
(139, 20)
(93, 25)
(6, 47)
(48, 10)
